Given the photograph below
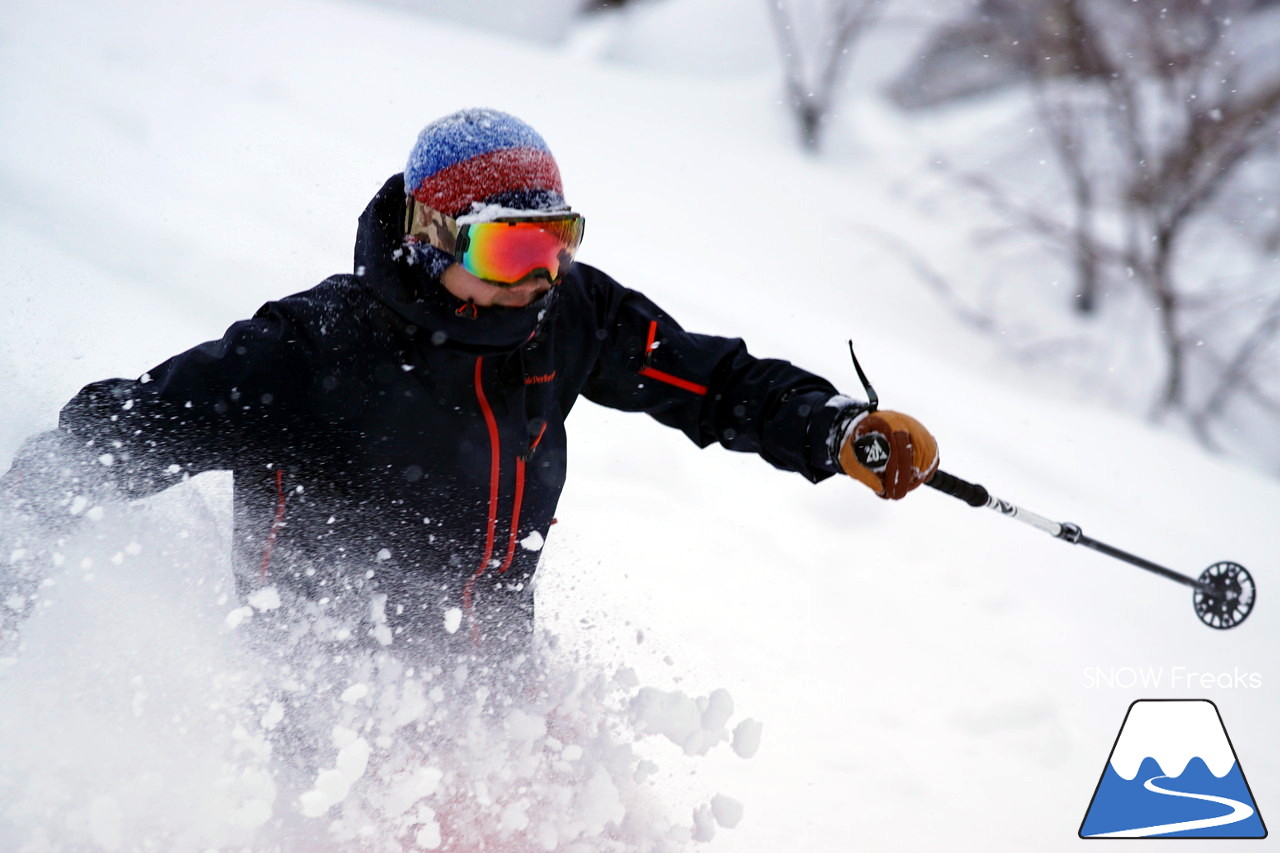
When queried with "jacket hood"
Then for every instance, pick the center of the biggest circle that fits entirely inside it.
(405, 285)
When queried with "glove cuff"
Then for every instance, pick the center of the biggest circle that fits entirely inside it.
(851, 411)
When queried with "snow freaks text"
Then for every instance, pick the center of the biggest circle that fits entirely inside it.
(1172, 677)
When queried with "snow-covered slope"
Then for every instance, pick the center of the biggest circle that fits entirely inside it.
(925, 673)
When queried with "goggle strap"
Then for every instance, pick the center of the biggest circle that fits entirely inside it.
(431, 226)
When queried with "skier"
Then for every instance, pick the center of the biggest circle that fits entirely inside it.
(397, 434)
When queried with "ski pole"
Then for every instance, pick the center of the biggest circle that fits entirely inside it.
(1224, 592)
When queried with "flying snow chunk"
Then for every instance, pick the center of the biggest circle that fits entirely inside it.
(236, 617)
(696, 726)
(532, 542)
(353, 759)
(674, 715)
(411, 786)
(746, 738)
(267, 598)
(600, 802)
(717, 711)
(330, 789)
(514, 817)
(428, 836)
(333, 785)
(452, 620)
(378, 614)
(726, 810)
(526, 727)
(704, 825)
(274, 714)
(355, 693)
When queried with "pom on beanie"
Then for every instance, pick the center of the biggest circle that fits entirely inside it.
(482, 156)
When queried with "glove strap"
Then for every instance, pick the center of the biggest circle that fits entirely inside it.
(842, 426)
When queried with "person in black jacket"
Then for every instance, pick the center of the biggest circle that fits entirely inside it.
(397, 435)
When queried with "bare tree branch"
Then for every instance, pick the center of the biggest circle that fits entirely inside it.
(811, 98)
(930, 276)
(1152, 112)
(1235, 373)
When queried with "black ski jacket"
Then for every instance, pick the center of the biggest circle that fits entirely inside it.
(387, 438)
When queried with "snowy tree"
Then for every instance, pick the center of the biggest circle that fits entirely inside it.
(816, 38)
(1162, 120)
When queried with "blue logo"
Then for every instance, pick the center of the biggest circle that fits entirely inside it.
(1173, 773)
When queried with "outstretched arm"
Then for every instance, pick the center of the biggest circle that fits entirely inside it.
(712, 389)
(122, 438)
(130, 438)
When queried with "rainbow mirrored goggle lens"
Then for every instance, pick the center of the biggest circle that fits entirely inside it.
(502, 251)
(508, 250)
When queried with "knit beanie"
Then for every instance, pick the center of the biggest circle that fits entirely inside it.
(479, 157)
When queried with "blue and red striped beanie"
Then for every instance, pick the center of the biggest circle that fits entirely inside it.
(479, 157)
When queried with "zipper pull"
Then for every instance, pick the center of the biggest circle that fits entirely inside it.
(538, 438)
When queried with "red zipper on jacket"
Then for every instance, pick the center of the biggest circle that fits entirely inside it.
(521, 461)
(515, 517)
(491, 524)
(662, 375)
(468, 606)
(276, 524)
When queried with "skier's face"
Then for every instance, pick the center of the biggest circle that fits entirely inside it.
(466, 286)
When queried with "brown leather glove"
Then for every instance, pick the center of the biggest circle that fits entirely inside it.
(889, 452)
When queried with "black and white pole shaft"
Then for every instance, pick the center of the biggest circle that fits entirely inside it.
(1224, 592)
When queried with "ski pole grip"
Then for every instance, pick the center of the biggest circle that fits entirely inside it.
(971, 493)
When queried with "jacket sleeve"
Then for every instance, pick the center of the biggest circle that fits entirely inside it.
(711, 388)
(193, 413)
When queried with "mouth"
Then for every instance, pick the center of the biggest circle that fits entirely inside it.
(521, 295)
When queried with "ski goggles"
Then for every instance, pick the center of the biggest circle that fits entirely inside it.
(505, 250)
